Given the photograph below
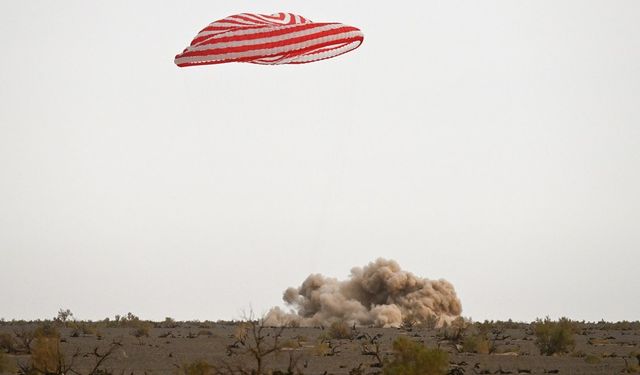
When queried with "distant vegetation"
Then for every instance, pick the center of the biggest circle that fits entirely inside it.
(34, 347)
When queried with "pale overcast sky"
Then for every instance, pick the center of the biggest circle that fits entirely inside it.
(495, 144)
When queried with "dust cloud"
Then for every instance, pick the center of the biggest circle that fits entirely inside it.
(379, 294)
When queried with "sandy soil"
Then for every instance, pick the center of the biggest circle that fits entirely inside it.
(166, 349)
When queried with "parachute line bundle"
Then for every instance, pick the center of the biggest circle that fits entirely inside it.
(282, 38)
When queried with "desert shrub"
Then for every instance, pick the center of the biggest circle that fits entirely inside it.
(128, 321)
(199, 367)
(339, 330)
(46, 329)
(412, 358)
(321, 349)
(253, 338)
(63, 316)
(46, 356)
(430, 323)
(476, 344)
(141, 329)
(25, 337)
(371, 346)
(88, 329)
(7, 343)
(454, 332)
(82, 328)
(169, 322)
(409, 321)
(554, 337)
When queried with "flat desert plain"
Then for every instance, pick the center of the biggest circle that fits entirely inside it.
(600, 348)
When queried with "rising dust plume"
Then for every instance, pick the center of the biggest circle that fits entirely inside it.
(379, 294)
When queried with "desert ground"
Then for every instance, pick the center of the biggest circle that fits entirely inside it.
(140, 347)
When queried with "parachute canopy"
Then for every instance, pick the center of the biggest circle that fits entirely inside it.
(282, 38)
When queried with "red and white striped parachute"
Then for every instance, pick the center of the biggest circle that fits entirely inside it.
(282, 38)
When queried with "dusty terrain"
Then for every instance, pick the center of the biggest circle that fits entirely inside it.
(599, 349)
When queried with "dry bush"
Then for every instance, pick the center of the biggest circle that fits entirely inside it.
(101, 358)
(430, 323)
(326, 347)
(411, 321)
(141, 330)
(169, 322)
(340, 330)
(255, 340)
(82, 328)
(7, 343)
(46, 355)
(455, 331)
(476, 344)
(321, 349)
(554, 337)
(371, 346)
(412, 358)
(47, 358)
(63, 316)
(46, 329)
(25, 337)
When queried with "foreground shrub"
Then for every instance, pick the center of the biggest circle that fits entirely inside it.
(253, 338)
(412, 358)
(554, 337)
(47, 358)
